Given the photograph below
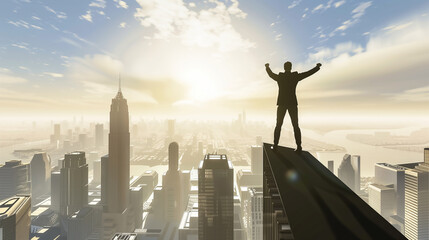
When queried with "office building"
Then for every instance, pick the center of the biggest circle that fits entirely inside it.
(171, 185)
(56, 137)
(387, 174)
(349, 172)
(331, 166)
(99, 135)
(356, 169)
(383, 199)
(73, 183)
(15, 217)
(55, 191)
(80, 224)
(96, 178)
(14, 179)
(215, 198)
(416, 204)
(255, 213)
(40, 168)
(117, 169)
(256, 159)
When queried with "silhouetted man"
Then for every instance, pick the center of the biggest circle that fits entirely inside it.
(286, 99)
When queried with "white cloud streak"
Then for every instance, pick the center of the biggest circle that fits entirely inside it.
(60, 15)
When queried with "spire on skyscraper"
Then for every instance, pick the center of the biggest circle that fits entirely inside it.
(119, 94)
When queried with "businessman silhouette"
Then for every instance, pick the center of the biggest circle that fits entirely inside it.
(286, 99)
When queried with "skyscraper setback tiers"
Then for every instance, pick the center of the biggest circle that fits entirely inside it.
(118, 164)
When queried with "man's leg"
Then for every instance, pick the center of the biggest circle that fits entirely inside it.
(281, 112)
(293, 113)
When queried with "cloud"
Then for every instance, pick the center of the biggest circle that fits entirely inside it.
(123, 25)
(294, 4)
(98, 74)
(20, 45)
(209, 27)
(121, 4)
(378, 72)
(35, 18)
(339, 4)
(278, 37)
(326, 54)
(6, 79)
(36, 27)
(98, 4)
(86, 16)
(398, 27)
(54, 75)
(4, 70)
(60, 15)
(420, 94)
(20, 23)
(357, 13)
(323, 7)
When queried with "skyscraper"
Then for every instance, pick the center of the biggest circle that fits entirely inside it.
(256, 159)
(416, 204)
(331, 166)
(99, 135)
(215, 198)
(14, 179)
(40, 167)
(73, 183)
(171, 185)
(349, 172)
(255, 213)
(356, 169)
(118, 163)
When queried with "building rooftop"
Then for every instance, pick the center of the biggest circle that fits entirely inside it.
(11, 205)
(317, 203)
(216, 161)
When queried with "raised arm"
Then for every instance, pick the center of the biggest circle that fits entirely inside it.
(307, 74)
(272, 75)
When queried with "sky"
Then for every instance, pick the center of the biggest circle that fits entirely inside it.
(206, 58)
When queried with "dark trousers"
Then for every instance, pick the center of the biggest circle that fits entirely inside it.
(293, 113)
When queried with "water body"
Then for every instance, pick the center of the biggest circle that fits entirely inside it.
(369, 154)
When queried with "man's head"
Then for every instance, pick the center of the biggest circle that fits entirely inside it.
(288, 66)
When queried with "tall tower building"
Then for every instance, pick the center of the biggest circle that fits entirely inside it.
(416, 204)
(171, 185)
(40, 167)
(356, 169)
(215, 198)
(14, 179)
(256, 159)
(118, 163)
(346, 172)
(73, 183)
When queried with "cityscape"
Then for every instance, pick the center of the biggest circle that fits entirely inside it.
(150, 120)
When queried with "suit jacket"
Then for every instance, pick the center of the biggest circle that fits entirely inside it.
(287, 82)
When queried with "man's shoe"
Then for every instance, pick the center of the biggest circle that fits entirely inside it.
(274, 148)
(298, 150)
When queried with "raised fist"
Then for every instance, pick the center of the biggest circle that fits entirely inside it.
(267, 64)
(319, 64)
